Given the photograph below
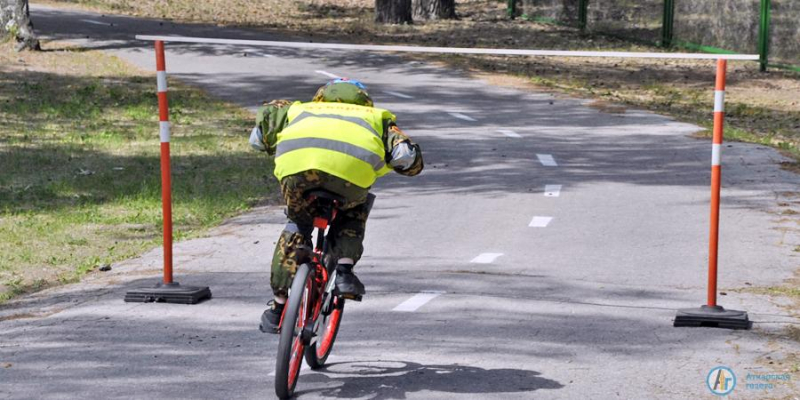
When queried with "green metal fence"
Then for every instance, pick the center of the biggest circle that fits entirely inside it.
(770, 28)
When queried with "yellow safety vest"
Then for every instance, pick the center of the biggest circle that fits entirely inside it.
(344, 140)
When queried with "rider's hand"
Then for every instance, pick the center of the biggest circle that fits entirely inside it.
(257, 139)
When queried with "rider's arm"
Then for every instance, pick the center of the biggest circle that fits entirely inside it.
(404, 156)
(270, 119)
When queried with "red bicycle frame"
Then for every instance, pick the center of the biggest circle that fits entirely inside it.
(320, 273)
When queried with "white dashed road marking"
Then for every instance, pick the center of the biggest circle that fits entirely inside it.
(540, 222)
(328, 74)
(509, 133)
(398, 94)
(552, 190)
(462, 116)
(547, 160)
(486, 258)
(416, 301)
(90, 21)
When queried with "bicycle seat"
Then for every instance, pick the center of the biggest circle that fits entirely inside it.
(317, 194)
(326, 204)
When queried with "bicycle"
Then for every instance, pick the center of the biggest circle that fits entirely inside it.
(313, 304)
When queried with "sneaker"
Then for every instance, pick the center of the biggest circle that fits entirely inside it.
(347, 283)
(271, 318)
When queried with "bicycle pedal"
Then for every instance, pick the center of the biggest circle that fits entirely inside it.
(307, 335)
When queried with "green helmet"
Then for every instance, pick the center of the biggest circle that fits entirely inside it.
(343, 90)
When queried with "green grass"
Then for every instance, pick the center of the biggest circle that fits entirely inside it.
(743, 122)
(785, 291)
(79, 154)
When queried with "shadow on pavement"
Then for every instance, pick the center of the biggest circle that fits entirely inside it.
(395, 379)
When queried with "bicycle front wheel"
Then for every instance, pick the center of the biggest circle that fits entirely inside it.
(291, 346)
(318, 352)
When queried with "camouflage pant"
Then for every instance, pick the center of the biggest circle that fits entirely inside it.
(346, 231)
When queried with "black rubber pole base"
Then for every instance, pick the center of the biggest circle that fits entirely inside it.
(169, 293)
(713, 317)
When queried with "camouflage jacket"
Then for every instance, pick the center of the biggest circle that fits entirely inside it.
(272, 118)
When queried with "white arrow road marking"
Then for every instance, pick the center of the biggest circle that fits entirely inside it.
(552, 190)
(486, 258)
(540, 222)
(417, 301)
(547, 160)
(328, 74)
(509, 133)
(398, 94)
(462, 116)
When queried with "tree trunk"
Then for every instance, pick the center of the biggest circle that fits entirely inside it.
(393, 11)
(434, 9)
(15, 20)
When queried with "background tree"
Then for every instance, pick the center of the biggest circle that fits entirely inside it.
(433, 9)
(15, 21)
(393, 11)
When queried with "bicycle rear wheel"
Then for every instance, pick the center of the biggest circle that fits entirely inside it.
(291, 346)
(318, 352)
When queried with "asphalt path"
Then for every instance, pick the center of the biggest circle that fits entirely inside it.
(542, 253)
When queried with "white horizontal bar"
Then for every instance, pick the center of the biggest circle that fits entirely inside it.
(486, 258)
(719, 101)
(161, 77)
(89, 21)
(540, 222)
(462, 116)
(509, 133)
(716, 154)
(417, 301)
(328, 74)
(398, 94)
(449, 50)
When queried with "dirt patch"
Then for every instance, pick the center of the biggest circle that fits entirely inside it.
(20, 316)
(606, 107)
(791, 166)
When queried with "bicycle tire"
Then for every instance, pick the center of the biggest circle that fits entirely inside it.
(290, 347)
(318, 352)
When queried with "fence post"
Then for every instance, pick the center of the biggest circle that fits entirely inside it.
(763, 34)
(667, 23)
(583, 7)
(511, 9)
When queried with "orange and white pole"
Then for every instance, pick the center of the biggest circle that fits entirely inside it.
(711, 314)
(716, 178)
(166, 173)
